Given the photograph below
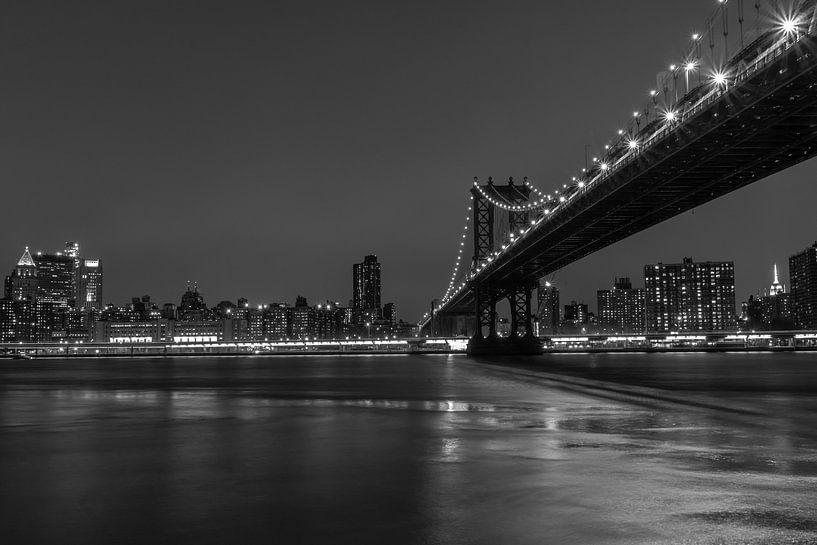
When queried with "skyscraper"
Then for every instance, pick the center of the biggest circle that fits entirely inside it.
(23, 282)
(690, 296)
(89, 285)
(366, 289)
(55, 278)
(777, 307)
(549, 311)
(803, 283)
(621, 309)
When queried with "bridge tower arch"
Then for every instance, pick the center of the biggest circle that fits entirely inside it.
(487, 199)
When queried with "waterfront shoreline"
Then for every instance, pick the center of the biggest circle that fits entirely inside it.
(278, 353)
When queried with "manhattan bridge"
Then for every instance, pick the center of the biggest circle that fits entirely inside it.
(741, 105)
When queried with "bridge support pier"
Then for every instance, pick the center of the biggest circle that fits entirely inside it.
(521, 341)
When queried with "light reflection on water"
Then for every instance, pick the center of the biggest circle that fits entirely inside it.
(412, 450)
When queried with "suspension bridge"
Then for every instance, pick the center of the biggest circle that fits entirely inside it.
(740, 106)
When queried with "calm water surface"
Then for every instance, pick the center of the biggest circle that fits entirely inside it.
(624, 448)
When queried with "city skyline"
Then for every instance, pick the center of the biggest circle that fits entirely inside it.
(243, 180)
(359, 286)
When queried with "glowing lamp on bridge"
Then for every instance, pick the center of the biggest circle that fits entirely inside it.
(690, 66)
(670, 115)
(720, 79)
(604, 166)
(632, 144)
(789, 25)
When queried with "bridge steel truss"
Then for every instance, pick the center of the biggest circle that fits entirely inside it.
(765, 122)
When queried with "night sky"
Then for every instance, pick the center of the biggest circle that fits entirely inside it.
(263, 148)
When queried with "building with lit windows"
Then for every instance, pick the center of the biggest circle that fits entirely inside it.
(803, 285)
(22, 285)
(192, 305)
(621, 309)
(390, 313)
(55, 278)
(690, 296)
(777, 307)
(575, 317)
(327, 320)
(275, 318)
(549, 310)
(89, 285)
(301, 319)
(366, 290)
(8, 321)
(255, 323)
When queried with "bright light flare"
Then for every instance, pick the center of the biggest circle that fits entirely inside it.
(789, 25)
(720, 79)
(670, 115)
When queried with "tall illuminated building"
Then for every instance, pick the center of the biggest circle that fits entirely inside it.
(549, 311)
(803, 284)
(690, 296)
(621, 309)
(89, 285)
(366, 289)
(55, 278)
(72, 251)
(22, 285)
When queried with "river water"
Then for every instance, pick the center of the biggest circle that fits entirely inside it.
(580, 449)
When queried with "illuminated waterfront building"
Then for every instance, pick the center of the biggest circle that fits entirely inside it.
(301, 319)
(803, 284)
(89, 282)
(22, 285)
(390, 313)
(8, 321)
(690, 296)
(575, 317)
(255, 323)
(366, 290)
(621, 309)
(275, 318)
(549, 310)
(328, 317)
(55, 278)
(192, 305)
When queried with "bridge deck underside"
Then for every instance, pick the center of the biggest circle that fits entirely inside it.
(762, 126)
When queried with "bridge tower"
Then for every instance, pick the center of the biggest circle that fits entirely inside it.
(486, 199)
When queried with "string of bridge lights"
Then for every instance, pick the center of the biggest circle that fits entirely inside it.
(788, 25)
(460, 250)
(533, 205)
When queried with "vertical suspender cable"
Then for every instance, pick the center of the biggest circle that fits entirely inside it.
(740, 21)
